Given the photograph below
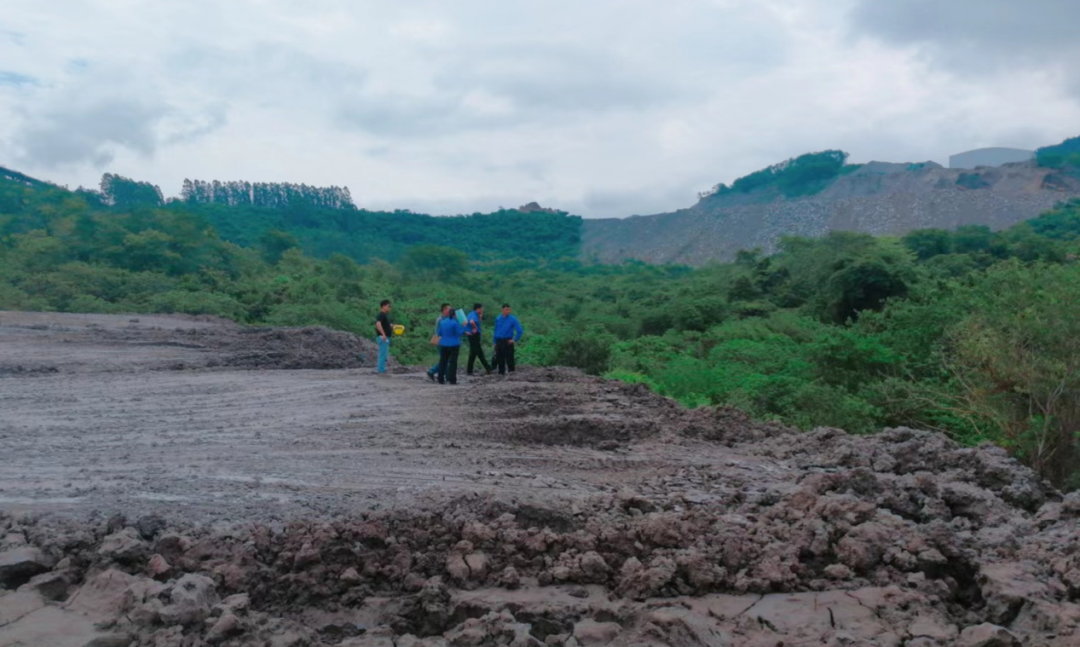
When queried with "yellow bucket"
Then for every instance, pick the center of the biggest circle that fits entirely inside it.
(399, 329)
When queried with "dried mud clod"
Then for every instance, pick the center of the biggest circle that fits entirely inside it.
(827, 557)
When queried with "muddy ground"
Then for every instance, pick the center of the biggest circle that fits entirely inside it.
(179, 481)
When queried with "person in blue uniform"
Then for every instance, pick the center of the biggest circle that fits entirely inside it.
(444, 312)
(450, 333)
(508, 331)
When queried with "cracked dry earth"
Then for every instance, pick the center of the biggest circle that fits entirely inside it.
(178, 481)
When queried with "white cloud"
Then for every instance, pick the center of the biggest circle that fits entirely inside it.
(977, 36)
(606, 108)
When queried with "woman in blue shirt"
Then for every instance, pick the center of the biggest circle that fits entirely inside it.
(450, 332)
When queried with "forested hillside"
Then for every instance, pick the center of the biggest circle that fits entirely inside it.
(969, 331)
(1067, 153)
(324, 220)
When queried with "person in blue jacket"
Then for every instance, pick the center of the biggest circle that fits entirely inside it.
(444, 312)
(508, 331)
(450, 333)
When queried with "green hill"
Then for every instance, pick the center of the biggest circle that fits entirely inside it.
(322, 221)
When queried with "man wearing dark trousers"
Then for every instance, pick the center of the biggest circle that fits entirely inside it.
(444, 312)
(507, 332)
(476, 348)
(450, 332)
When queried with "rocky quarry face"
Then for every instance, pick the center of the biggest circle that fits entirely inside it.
(878, 198)
(898, 539)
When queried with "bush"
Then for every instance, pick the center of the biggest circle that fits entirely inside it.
(1065, 153)
(330, 314)
(12, 298)
(589, 349)
(1017, 359)
(197, 303)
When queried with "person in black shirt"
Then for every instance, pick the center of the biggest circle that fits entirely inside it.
(383, 328)
(472, 331)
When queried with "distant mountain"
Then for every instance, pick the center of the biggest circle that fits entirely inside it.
(877, 198)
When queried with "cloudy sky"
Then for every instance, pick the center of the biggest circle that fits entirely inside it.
(600, 107)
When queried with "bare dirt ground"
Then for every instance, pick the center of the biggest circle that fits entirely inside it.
(180, 481)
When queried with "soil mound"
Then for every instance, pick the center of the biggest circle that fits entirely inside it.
(314, 347)
(563, 406)
(873, 554)
(178, 342)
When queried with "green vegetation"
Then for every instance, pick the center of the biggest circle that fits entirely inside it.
(367, 235)
(971, 332)
(1067, 153)
(803, 175)
(323, 221)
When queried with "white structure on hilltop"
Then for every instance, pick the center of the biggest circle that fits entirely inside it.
(990, 157)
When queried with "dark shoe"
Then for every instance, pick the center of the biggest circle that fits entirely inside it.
(431, 376)
(489, 371)
(468, 372)
(442, 382)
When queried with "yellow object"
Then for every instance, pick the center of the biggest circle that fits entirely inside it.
(399, 329)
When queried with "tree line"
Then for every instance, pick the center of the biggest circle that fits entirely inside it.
(271, 195)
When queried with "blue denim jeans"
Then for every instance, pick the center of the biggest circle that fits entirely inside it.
(384, 352)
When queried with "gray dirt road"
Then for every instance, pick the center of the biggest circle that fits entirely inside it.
(97, 416)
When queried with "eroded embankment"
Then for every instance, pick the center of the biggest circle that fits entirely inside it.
(173, 342)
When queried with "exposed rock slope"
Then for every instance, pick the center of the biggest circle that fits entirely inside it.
(878, 198)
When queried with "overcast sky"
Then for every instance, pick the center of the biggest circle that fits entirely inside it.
(600, 107)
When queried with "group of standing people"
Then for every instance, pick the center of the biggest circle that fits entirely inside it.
(448, 334)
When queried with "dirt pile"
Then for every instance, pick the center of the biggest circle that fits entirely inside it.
(230, 346)
(563, 406)
(872, 553)
(179, 342)
(296, 348)
(571, 408)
